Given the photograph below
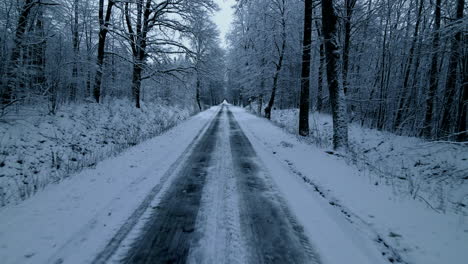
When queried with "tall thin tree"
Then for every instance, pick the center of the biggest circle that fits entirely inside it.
(450, 87)
(335, 86)
(321, 70)
(76, 49)
(12, 72)
(433, 76)
(305, 74)
(280, 48)
(104, 23)
(403, 100)
(349, 8)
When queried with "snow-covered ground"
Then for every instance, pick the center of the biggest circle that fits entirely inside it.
(218, 218)
(435, 173)
(377, 208)
(37, 149)
(345, 215)
(72, 221)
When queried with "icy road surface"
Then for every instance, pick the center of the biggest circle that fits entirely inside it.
(202, 193)
(244, 220)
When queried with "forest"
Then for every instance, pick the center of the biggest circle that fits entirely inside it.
(233, 131)
(85, 79)
(79, 51)
(393, 65)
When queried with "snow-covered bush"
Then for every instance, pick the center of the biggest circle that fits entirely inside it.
(37, 149)
(436, 173)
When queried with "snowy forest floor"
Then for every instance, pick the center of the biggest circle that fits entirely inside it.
(37, 148)
(406, 194)
(434, 173)
(347, 218)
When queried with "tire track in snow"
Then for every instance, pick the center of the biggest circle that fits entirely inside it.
(272, 233)
(218, 219)
(221, 208)
(169, 233)
(114, 244)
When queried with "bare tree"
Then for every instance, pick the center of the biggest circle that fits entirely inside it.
(104, 23)
(205, 39)
(321, 70)
(433, 76)
(410, 67)
(451, 85)
(167, 16)
(335, 86)
(280, 6)
(9, 85)
(349, 8)
(76, 50)
(305, 74)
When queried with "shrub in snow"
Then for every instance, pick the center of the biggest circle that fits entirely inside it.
(433, 172)
(37, 149)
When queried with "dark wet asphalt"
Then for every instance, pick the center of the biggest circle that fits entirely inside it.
(270, 232)
(169, 232)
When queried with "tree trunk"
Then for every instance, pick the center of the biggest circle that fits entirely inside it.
(404, 96)
(305, 74)
(136, 82)
(12, 68)
(76, 49)
(462, 129)
(38, 50)
(434, 74)
(198, 93)
(383, 67)
(320, 78)
(349, 5)
(104, 24)
(321, 71)
(279, 65)
(260, 104)
(138, 43)
(335, 86)
(89, 53)
(450, 87)
(273, 90)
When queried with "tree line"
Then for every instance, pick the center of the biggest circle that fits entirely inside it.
(76, 51)
(394, 65)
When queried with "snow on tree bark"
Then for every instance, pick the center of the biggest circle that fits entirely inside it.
(335, 86)
(281, 5)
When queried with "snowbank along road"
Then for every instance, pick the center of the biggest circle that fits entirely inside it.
(207, 191)
(220, 208)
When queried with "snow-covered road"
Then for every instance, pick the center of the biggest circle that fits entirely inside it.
(212, 190)
(220, 208)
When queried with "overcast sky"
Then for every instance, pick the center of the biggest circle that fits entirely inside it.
(224, 17)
